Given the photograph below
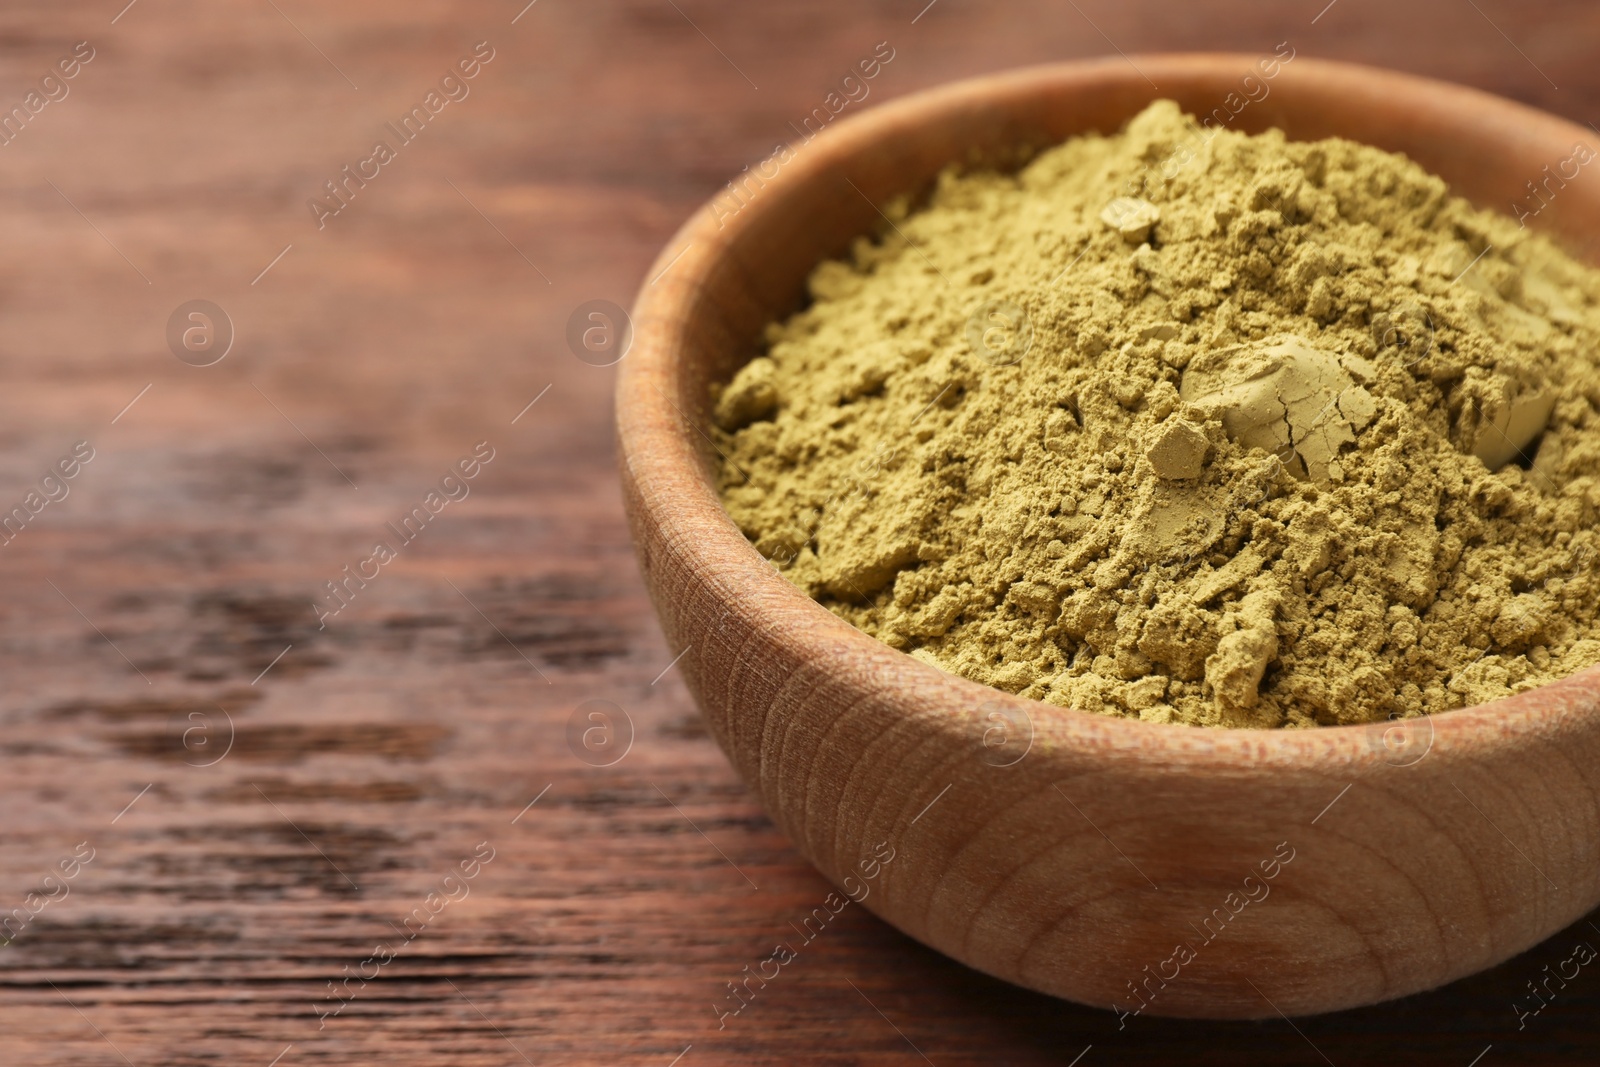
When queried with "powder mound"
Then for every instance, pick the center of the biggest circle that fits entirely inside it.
(1191, 426)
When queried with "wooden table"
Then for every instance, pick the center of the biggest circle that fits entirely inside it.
(283, 816)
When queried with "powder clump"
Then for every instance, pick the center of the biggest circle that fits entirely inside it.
(1195, 427)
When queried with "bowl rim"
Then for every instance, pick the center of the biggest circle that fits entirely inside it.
(659, 458)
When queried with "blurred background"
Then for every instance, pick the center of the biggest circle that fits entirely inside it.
(273, 797)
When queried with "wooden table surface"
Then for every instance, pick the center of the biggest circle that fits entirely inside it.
(235, 836)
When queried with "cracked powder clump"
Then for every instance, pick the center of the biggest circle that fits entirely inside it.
(1192, 426)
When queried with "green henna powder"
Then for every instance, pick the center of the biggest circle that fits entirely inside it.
(1290, 436)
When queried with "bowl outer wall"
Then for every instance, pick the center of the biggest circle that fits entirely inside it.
(1081, 868)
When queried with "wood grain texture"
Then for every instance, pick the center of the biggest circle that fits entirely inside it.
(389, 745)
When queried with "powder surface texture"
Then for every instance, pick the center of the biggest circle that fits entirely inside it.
(1197, 427)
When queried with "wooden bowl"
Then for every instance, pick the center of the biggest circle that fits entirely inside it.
(1163, 869)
